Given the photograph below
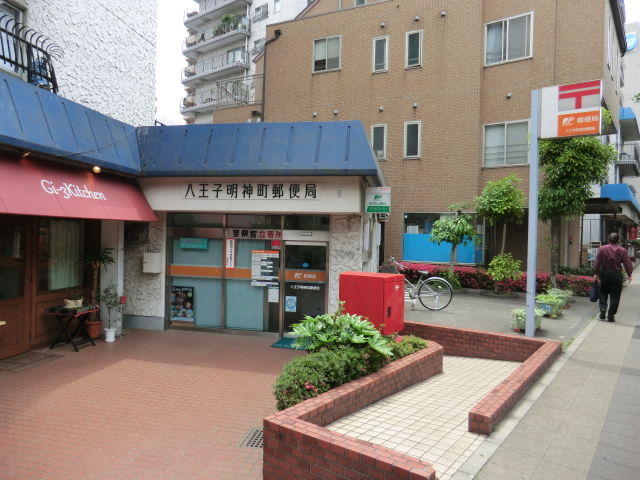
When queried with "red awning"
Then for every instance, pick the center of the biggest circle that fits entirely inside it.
(31, 186)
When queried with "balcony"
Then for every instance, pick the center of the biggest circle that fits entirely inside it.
(235, 92)
(27, 53)
(210, 10)
(234, 61)
(230, 30)
(628, 160)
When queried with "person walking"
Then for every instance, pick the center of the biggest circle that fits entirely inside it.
(607, 270)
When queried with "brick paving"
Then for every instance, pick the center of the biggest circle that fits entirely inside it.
(430, 419)
(171, 404)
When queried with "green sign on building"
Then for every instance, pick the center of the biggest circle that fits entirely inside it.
(194, 243)
(378, 200)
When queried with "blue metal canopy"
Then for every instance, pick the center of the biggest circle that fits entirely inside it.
(35, 120)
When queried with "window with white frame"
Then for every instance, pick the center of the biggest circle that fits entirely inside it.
(276, 6)
(380, 54)
(326, 54)
(261, 12)
(509, 39)
(506, 143)
(610, 44)
(379, 140)
(359, 2)
(412, 136)
(414, 49)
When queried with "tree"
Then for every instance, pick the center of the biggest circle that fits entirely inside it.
(502, 201)
(97, 257)
(456, 230)
(570, 168)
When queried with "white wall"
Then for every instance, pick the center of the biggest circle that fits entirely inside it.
(109, 61)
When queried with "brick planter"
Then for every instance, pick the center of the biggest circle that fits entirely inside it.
(296, 444)
(535, 354)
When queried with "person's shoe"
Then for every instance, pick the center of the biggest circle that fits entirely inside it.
(602, 314)
(612, 319)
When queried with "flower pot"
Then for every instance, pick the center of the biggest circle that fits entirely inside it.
(72, 303)
(521, 323)
(550, 309)
(110, 334)
(93, 328)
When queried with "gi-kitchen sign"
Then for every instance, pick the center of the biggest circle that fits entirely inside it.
(68, 190)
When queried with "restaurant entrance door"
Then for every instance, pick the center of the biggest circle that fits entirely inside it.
(14, 301)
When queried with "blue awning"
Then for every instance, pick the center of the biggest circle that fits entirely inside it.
(629, 125)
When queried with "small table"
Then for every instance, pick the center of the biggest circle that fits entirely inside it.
(70, 313)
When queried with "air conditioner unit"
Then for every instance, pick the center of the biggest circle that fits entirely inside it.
(383, 217)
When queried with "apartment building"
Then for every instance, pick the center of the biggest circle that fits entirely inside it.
(444, 89)
(223, 38)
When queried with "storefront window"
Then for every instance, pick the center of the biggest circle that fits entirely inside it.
(12, 239)
(197, 220)
(60, 246)
(307, 222)
(254, 221)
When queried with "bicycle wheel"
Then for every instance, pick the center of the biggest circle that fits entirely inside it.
(435, 293)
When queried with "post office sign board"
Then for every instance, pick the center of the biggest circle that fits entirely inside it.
(568, 111)
(378, 200)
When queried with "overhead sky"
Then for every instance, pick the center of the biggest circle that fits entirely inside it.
(170, 61)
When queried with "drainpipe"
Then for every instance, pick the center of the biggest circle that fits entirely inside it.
(264, 69)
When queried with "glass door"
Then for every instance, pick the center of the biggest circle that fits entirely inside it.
(14, 323)
(305, 281)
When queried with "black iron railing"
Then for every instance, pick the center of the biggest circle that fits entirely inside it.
(25, 51)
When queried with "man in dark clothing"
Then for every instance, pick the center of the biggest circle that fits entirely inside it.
(608, 271)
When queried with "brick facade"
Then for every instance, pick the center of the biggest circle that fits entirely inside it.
(453, 92)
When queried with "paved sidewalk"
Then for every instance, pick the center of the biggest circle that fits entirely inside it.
(582, 419)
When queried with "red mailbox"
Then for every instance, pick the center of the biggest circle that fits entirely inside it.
(377, 296)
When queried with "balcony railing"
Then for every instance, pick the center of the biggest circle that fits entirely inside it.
(234, 92)
(239, 24)
(207, 6)
(629, 160)
(25, 51)
(239, 57)
(261, 13)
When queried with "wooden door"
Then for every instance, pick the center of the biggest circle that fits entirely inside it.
(14, 292)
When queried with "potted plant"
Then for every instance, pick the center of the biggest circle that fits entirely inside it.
(550, 304)
(74, 299)
(228, 22)
(563, 295)
(96, 257)
(110, 299)
(519, 321)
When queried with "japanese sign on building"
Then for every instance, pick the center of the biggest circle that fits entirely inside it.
(378, 200)
(251, 191)
(230, 253)
(194, 243)
(571, 110)
(264, 268)
(253, 233)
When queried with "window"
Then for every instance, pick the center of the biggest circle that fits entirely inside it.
(412, 139)
(7, 42)
(379, 141)
(380, 54)
(258, 46)
(508, 39)
(414, 49)
(506, 144)
(326, 54)
(276, 6)
(610, 44)
(60, 246)
(261, 12)
(359, 2)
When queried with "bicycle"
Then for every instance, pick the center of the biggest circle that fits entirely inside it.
(434, 293)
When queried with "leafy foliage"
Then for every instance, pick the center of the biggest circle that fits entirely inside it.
(97, 257)
(456, 230)
(311, 375)
(340, 329)
(502, 201)
(452, 278)
(581, 270)
(504, 267)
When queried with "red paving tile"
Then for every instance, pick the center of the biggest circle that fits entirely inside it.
(171, 404)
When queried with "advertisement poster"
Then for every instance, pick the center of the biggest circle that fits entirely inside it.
(291, 304)
(264, 268)
(182, 305)
(230, 257)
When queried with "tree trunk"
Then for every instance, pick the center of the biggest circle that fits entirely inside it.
(452, 260)
(504, 236)
(555, 250)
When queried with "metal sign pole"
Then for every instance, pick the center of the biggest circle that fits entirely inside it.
(532, 241)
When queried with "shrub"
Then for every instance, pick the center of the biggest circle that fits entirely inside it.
(340, 329)
(452, 278)
(478, 278)
(581, 270)
(504, 267)
(309, 376)
(404, 345)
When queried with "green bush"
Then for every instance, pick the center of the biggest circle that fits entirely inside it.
(309, 376)
(452, 278)
(404, 345)
(581, 270)
(340, 329)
